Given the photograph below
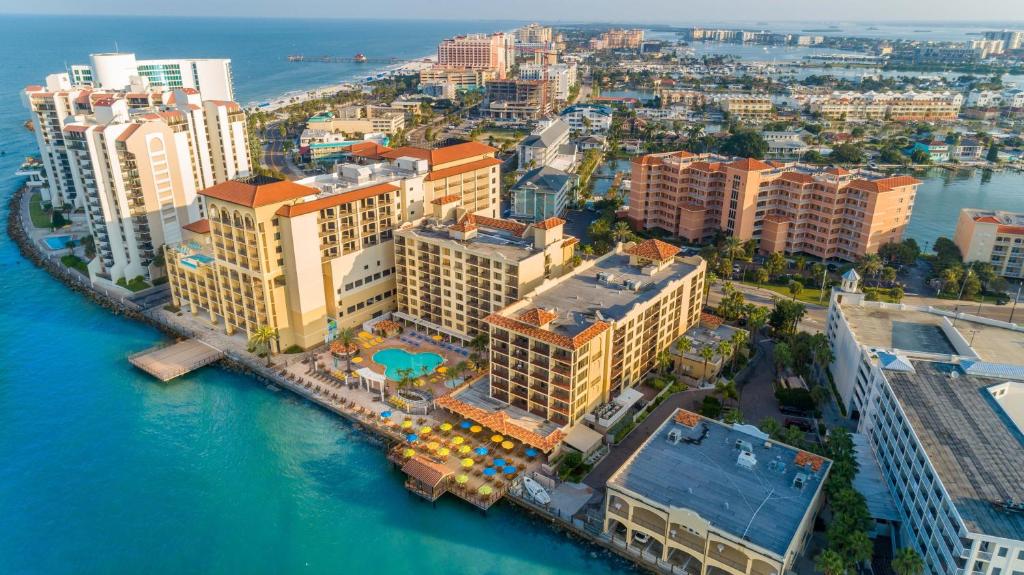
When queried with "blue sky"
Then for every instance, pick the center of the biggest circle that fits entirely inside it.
(661, 11)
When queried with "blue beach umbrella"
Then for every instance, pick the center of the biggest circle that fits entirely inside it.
(509, 469)
(480, 451)
(385, 414)
(490, 471)
(465, 425)
(412, 437)
(499, 462)
(531, 452)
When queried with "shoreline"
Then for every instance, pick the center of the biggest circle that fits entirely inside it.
(366, 423)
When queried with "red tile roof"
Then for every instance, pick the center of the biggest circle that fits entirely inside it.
(449, 199)
(407, 152)
(494, 223)
(199, 226)
(837, 171)
(537, 316)
(425, 471)
(805, 459)
(549, 223)
(710, 320)
(292, 210)
(255, 195)
(575, 342)
(797, 177)
(570, 241)
(467, 224)
(653, 250)
(687, 418)
(367, 150)
(884, 184)
(987, 219)
(499, 422)
(458, 152)
(462, 169)
(749, 165)
(1015, 230)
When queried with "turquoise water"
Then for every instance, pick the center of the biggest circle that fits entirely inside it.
(107, 471)
(395, 360)
(57, 242)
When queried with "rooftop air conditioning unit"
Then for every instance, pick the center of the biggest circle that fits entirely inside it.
(674, 436)
(746, 460)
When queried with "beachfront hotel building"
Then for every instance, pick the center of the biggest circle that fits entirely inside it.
(939, 399)
(134, 161)
(580, 339)
(461, 78)
(993, 236)
(828, 213)
(714, 498)
(457, 268)
(891, 106)
(534, 34)
(618, 39)
(117, 70)
(495, 52)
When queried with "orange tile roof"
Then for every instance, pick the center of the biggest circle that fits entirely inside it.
(537, 316)
(449, 199)
(797, 177)
(127, 132)
(499, 422)
(653, 250)
(549, 223)
(467, 224)
(987, 219)
(255, 195)
(837, 171)
(1016, 230)
(749, 165)
(458, 152)
(687, 418)
(703, 166)
(199, 226)
(367, 150)
(575, 342)
(570, 241)
(425, 471)
(407, 152)
(497, 224)
(805, 459)
(711, 320)
(884, 184)
(292, 210)
(462, 169)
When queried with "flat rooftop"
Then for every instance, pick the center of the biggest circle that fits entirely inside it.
(976, 450)
(582, 298)
(701, 473)
(915, 330)
(488, 242)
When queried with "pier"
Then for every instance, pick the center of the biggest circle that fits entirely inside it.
(166, 362)
(302, 58)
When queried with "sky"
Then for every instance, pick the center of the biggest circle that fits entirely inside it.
(639, 11)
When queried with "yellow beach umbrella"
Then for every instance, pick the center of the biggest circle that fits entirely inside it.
(507, 444)
(425, 430)
(485, 490)
(436, 337)
(432, 445)
(458, 440)
(476, 429)
(357, 360)
(408, 452)
(442, 369)
(467, 463)
(406, 424)
(461, 479)
(446, 426)
(497, 438)
(443, 452)
(465, 449)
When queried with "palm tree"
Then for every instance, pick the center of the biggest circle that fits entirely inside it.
(405, 378)
(799, 264)
(897, 294)
(456, 371)
(795, 287)
(907, 562)
(622, 232)
(870, 265)
(588, 251)
(771, 426)
(727, 390)
(347, 338)
(830, 563)
(684, 344)
(664, 361)
(479, 343)
(757, 318)
(761, 275)
(707, 353)
(261, 339)
(724, 349)
(738, 339)
(709, 281)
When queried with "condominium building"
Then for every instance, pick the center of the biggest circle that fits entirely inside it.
(493, 52)
(118, 70)
(517, 100)
(939, 398)
(1012, 39)
(354, 120)
(747, 107)
(993, 236)
(582, 338)
(710, 498)
(618, 39)
(898, 107)
(533, 34)
(461, 78)
(549, 140)
(134, 160)
(561, 76)
(827, 213)
(588, 118)
(468, 171)
(688, 98)
(542, 193)
(458, 268)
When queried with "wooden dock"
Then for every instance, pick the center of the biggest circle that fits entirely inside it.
(166, 362)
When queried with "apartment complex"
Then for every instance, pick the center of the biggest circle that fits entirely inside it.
(747, 107)
(899, 107)
(828, 213)
(542, 193)
(460, 78)
(618, 39)
(588, 118)
(562, 77)
(517, 100)
(549, 140)
(116, 71)
(352, 120)
(495, 52)
(468, 171)
(581, 338)
(992, 236)
(458, 268)
(711, 498)
(1011, 39)
(534, 34)
(940, 400)
(134, 161)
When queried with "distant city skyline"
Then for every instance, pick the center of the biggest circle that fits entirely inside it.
(1005, 12)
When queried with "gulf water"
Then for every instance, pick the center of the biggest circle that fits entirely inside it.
(102, 470)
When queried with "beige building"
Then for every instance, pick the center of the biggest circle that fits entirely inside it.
(747, 107)
(892, 106)
(688, 360)
(534, 34)
(495, 52)
(458, 268)
(992, 236)
(830, 213)
(710, 498)
(618, 39)
(461, 78)
(469, 171)
(580, 339)
(351, 120)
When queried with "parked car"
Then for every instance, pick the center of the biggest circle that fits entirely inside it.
(641, 538)
(799, 423)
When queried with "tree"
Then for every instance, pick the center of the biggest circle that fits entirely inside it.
(745, 144)
(261, 340)
(731, 305)
(795, 287)
(870, 265)
(847, 154)
(761, 275)
(757, 318)
(347, 339)
(771, 426)
(622, 232)
(971, 286)
(907, 562)
(830, 563)
(707, 354)
(726, 389)
(664, 361)
(921, 157)
(58, 220)
(775, 264)
(897, 294)
(786, 315)
(800, 264)
(709, 281)
(888, 275)
(738, 340)
(782, 355)
(405, 377)
(993, 153)
(684, 344)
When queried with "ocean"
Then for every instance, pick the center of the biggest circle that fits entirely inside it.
(107, 471)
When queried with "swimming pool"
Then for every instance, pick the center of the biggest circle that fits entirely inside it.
(395, 359)
(58, 242)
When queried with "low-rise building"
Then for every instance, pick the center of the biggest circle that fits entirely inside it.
(580, 339)
(549, 140)
(709, 498)
(588, 118)
(688, 353)
(892, 106)
(992, 236)
(542, 193)
(357, 120)
(747, 107)
(463, 79)
(936, 150)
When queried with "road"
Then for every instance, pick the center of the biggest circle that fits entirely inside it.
(273, 152)
(814, 320)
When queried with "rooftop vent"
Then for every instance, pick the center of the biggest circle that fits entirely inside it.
(800, 480)
(674, 436)
(746, 460)
(607, 278)
(744, 445)
(634, 285)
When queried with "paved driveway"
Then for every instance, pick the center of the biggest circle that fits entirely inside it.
(757, 393)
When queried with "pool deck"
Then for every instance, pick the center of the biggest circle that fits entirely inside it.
(436, 381)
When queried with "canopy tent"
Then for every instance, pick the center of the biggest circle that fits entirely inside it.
(583, 439)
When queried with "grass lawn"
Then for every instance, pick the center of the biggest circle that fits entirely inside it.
(75, 262)
(136, 284)
(40, 218)
(807, 295)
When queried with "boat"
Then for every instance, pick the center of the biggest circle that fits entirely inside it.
(359, 58)
(536, 492)
(29, 126)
